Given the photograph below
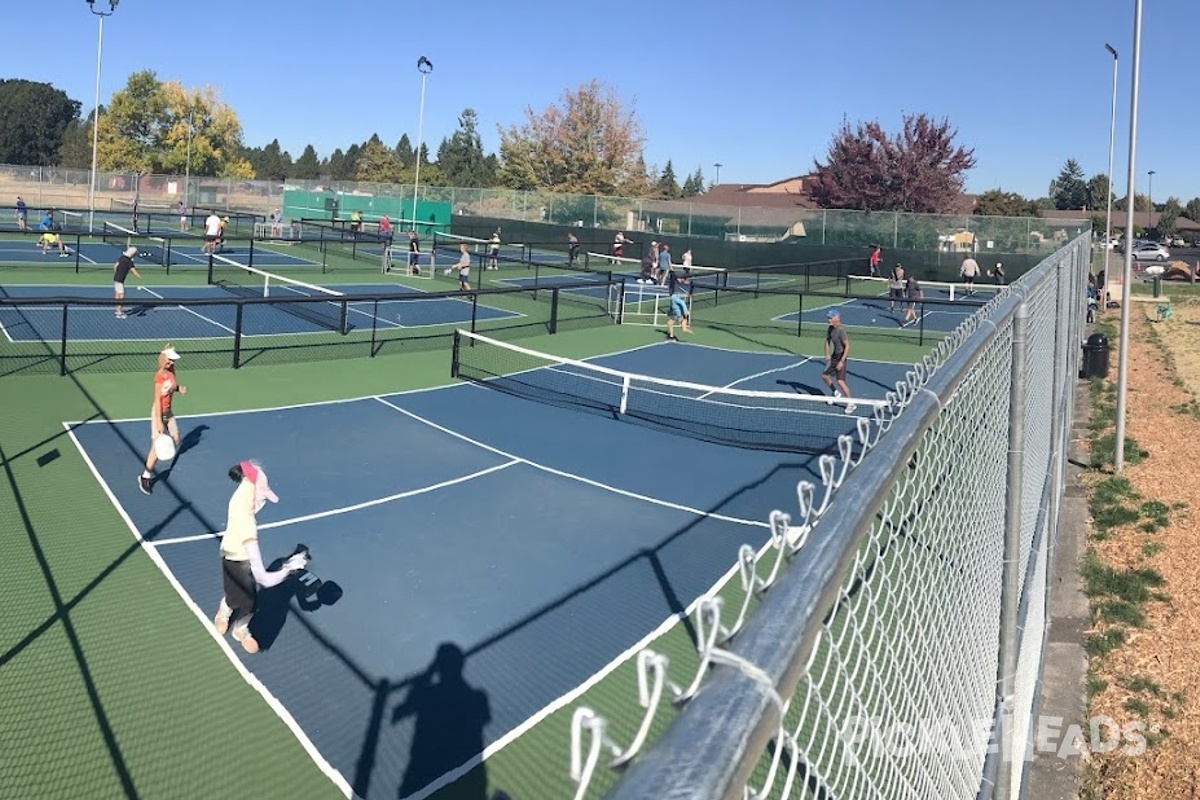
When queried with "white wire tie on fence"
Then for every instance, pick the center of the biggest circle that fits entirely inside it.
(583, 768)
(652, 676)
(706, 642)
(780, 530)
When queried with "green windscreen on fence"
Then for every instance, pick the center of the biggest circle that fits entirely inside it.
(430, 217)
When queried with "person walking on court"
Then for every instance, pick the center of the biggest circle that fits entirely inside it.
(464, 268)
(837, 350)
(969, 272)
(873, 264)
(242, 566)
(572, 249)
(212, 232)
(162, 416)
(895, 286)
(912, 290)
(121, 271)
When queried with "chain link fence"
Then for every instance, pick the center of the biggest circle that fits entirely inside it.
(898, 651)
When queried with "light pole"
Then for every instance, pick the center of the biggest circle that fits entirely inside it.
(717, 180)
(1127, 270)
(1112, 131)
(424, 66)
(187, 175)
(112, 7)
(1150, 199)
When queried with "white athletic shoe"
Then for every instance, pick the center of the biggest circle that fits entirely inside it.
(850, 408)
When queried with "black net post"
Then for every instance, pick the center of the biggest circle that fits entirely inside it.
(921, 325)
(374, 324)
(62, 352)
(800, 314)
(237, 336)
(250, 254)
(474, 310)
(78, 239)
(621, 304)
(210, 269)
(554, 310)
(344, 318)
(454, 354)
(167, 254)
(324, 256)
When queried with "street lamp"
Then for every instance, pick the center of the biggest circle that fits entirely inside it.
(112, 7)
(1127, 271)
(717, 181)
(1150, 198)
(424, 66)
(1112, 131)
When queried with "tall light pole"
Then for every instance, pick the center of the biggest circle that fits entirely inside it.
(187, 175)
(1150, 199)
(1112, 132)
(717, 180)
(1127, 271)
(424, 66)
(112, 7)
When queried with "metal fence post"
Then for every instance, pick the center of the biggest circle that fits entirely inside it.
(1011, 588)
(62, 353)
(237, 336)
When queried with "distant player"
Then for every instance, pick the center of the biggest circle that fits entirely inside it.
(679, 287)
(121, 270)
(572, 249)
(162, 416)
(464, 268)
(51, 239)
(969, 272)
(494, 251)
(212, 232)
(873, 263)
(22, 214)
(414, 253)
(913, 293)
(837, 350)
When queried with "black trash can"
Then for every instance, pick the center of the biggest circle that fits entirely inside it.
(1095, 357)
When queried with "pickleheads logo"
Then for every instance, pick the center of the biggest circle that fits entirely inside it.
(1048, 736)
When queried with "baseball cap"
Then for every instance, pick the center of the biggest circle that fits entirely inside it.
(258, 477)
(833, 314)
(131, 251)
(171, 353)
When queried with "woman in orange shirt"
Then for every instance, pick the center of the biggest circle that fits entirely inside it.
(162, 417)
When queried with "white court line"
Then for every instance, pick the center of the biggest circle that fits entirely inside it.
(572, 476)
(272, 702)
(346, 509)
(188, 310)
(785, 367)
(315, 403)
(783, 355)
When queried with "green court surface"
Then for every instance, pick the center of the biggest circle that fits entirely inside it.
(111, 687)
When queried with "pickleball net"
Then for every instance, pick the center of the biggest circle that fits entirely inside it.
(323, 307)
(983, 290)
(759, 420)
(155, 248)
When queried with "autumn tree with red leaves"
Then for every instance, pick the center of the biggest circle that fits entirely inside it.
(918, 170)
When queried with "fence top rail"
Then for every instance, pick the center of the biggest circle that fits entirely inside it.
(696, 759)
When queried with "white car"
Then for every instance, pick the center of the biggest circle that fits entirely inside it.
(1150, 252)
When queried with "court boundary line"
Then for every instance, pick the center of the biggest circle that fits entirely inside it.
(782, 355)
(562, 701)
(795, 317)
(572, 476)
(378, 501)
(340, 401)
(181, 307)
(272, 702)
(803, 360)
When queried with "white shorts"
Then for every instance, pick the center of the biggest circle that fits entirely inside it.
(118, 287)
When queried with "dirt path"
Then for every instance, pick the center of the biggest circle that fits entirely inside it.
(1155, 674)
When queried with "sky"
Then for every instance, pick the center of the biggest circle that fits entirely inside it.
(759, 87)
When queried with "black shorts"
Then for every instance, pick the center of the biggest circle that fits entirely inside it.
(241, 590)
(833, 370)
(208, 237)
(896, 293)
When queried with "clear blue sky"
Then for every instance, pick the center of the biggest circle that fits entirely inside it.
(757, 86)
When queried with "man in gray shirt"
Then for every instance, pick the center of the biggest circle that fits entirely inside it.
(837, 350)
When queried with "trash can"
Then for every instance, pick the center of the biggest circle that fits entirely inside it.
(1158, 285)
(1095, 357)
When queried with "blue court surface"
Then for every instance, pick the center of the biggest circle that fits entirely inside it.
(485, 556)
(174, 320)
(875, 313)
(186, 252)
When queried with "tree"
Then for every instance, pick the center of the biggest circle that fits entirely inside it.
(377, 163)
(1098, 192)
(587, 143)
(34, 119)
(667, 186)
(918, 170)
(1069, 191)
(999, 203)
(461, 157)
(75, 151)
(694, 185)
(1171, 211)
(405, 152)
(307, 166)
(1192, 210)
(148, 124)
(271, 162)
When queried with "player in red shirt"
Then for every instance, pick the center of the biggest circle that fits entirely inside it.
(162, 417)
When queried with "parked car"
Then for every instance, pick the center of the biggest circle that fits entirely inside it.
(1145, 251)
(1174, 241)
